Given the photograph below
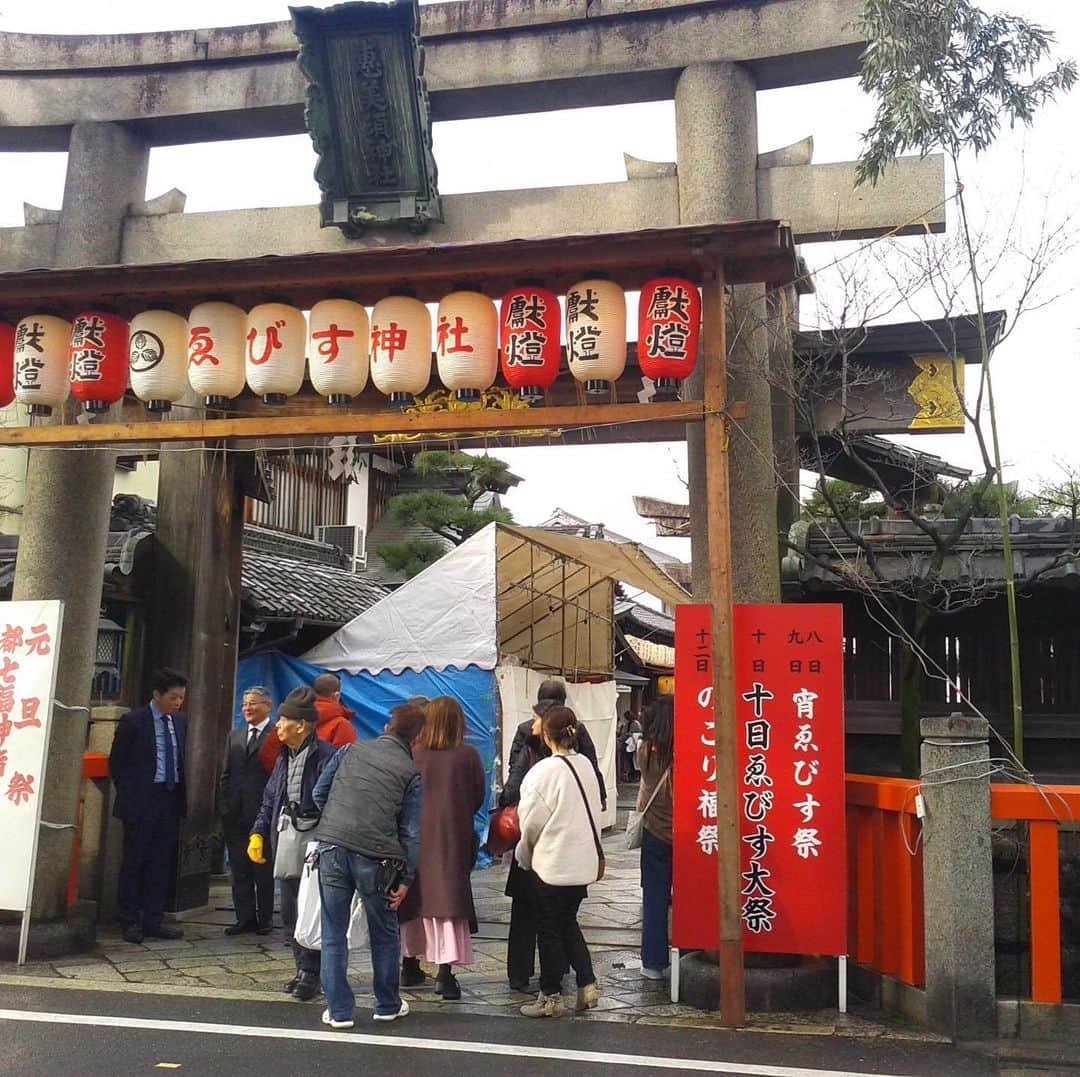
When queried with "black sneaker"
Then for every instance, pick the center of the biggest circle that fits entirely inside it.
(132, 933)
(240, 928)
(449, 988)
(412, 975)
(307, 987)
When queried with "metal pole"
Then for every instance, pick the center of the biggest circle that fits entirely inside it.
(717, 500)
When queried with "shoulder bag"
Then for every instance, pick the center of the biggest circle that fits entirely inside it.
(601, 861)
(635, 821)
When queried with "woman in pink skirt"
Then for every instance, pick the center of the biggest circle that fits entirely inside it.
(438, 917)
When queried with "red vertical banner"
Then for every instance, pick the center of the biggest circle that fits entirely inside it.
(789, 712)
(695, 879)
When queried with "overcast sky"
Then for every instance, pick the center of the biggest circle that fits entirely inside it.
(1037, 372)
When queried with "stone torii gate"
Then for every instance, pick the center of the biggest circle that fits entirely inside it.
(108, 100)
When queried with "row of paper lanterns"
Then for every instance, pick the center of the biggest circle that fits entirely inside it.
(219, 348)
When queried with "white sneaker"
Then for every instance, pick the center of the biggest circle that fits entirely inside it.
(652, 974)
(403, 1012)
(328, 1020)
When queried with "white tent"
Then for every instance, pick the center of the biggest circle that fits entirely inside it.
(523, 602)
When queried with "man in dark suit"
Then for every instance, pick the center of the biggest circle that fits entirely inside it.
(247, 752)
(147, 766)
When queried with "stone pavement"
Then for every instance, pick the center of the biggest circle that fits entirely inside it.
(207, 964)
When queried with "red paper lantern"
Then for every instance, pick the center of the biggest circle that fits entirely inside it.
(7, 364)
(529, 322)
(99, 358)
(669, 324)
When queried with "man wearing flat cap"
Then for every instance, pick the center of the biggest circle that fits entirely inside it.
(287, 819)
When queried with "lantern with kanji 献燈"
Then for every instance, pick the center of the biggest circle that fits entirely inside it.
(276, 338)
(158, 358)
(669, 324)
(596, 333)
(42, 368)
(338, 349)
(400, 348)
(98, 353)
(529, 322)
(467, 343)
(215, 350)
(7, 364)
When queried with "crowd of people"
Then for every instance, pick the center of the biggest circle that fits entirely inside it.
(393, 823)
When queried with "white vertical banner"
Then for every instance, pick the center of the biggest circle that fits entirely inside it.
(29, 643)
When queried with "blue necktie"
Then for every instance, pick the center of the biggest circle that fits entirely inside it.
(170, 755)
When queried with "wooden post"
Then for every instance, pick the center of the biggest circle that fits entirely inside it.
(717, 495)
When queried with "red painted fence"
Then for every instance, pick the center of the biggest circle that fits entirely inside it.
(885, 895)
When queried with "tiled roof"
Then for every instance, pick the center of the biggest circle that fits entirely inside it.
(284, 587)
(639, 620)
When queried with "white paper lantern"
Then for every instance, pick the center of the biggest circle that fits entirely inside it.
(42, 370)
(276, 338)
(158, 358)
(400, 348)
(216, 352)
(467, 343)
(596, 333)
(338, 349)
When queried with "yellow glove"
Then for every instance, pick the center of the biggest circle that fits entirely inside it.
(255, 849)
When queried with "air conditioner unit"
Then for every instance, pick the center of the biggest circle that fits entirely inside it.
(348, 538)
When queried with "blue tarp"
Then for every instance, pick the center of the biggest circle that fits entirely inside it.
(371, 695)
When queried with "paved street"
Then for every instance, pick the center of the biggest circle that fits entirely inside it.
(64, 1032)
(210, 1004)
(206, 964)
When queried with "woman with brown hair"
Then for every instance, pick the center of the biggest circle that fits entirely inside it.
(560, 844)
(438, 915)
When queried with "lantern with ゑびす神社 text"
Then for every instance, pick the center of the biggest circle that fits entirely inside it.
(400, 348)
(338, 349)
(276, 338)
(467, 343)
(216, 339)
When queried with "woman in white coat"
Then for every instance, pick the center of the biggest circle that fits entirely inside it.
(560, 843)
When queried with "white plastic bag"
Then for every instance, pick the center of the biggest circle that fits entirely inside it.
(308, 931)
(357, 937)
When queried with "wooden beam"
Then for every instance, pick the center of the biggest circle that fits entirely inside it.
(752, 251)
(717, 500)
(345, 424)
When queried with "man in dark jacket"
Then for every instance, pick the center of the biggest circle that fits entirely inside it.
(369, 837)
(240, 792)
(287, 819)
(147, 766)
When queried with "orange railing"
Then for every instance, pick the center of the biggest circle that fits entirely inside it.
(885, 892)
(1043, 809)
(885, 896)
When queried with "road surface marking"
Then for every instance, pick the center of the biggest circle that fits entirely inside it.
(560, 1054)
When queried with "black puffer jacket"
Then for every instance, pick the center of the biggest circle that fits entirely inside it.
(528, 749)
